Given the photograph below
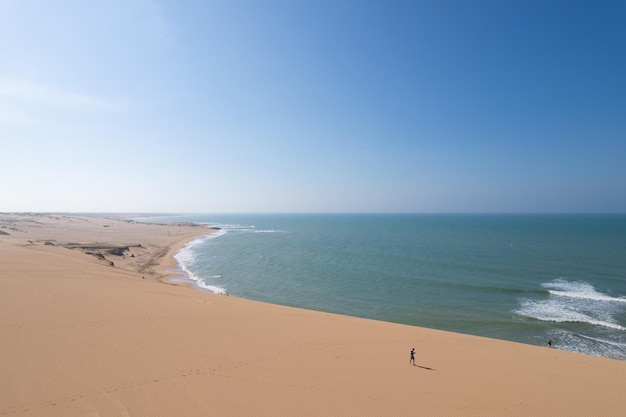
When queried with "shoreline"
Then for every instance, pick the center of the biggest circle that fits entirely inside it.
(82, 337)
(186, 276)
(513, 294)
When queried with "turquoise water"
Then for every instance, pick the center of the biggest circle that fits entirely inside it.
(525, 278)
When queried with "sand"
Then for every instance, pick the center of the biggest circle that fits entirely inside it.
(89, 326)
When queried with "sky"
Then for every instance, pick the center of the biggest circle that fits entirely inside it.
(503, 106)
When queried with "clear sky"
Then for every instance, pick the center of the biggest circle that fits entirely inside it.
(313, 106)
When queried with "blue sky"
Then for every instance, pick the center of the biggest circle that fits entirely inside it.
(313, 106)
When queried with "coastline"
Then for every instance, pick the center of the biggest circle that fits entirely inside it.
(523, 278)
(82, 337)
(170, 269)
(187, 277)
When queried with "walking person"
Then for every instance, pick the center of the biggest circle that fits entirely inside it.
(412, 360)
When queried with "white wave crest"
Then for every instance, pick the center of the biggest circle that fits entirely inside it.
(213, 288)
(575, 302)
(581, 290)
(559, 313)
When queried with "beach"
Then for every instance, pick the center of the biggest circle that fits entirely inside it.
(90, 325)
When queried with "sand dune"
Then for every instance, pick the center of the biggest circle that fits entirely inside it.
(88, 327)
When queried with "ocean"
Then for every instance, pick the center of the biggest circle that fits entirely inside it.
(524, 278)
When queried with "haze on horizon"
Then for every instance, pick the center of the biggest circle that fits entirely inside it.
(313, 106)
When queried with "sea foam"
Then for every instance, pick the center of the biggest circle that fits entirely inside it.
(580, 290)
(574, 302)
(186, 257)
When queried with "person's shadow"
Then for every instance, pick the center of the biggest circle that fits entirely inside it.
(425, 367)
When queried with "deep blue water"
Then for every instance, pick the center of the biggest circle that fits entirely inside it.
(525, 278)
